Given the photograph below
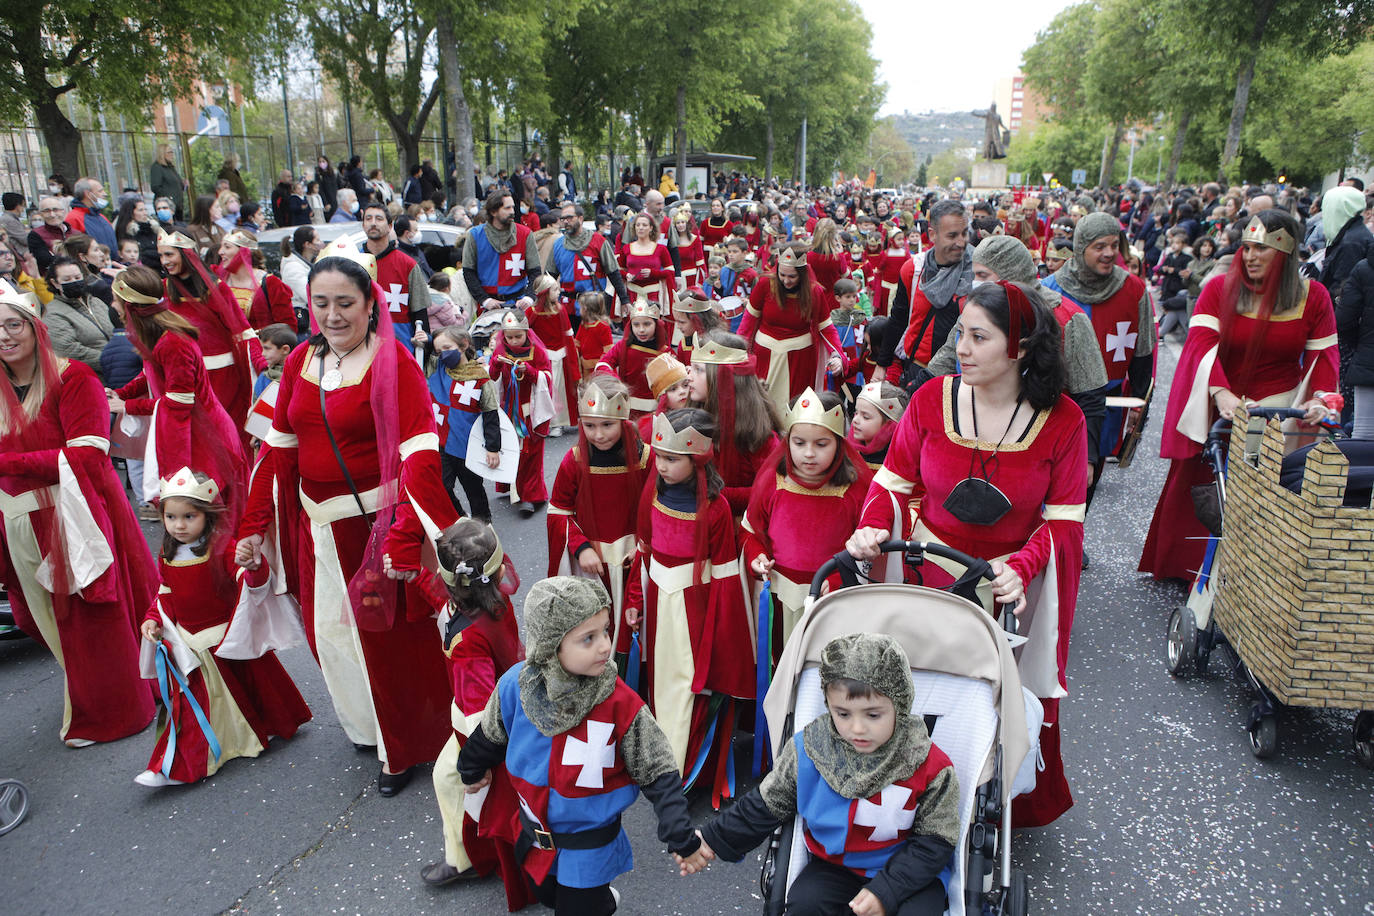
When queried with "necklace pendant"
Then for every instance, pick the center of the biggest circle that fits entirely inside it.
(331, 380)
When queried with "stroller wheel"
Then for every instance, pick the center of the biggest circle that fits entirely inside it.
(1264, 733)
(1181, 646)
(1017, 900)
(14, 804)
(1364, 739)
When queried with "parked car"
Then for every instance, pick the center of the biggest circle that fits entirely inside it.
(439, 241)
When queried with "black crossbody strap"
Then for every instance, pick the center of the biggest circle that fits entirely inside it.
(338, 455)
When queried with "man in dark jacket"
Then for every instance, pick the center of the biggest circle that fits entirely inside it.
(281, 199)
(414, 190)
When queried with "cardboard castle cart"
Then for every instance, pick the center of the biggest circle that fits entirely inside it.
(1293, 588)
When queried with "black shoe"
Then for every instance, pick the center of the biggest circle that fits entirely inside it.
(1085, 560)
(526, 509)
(364, 748)
(391, 784)
(442, 873)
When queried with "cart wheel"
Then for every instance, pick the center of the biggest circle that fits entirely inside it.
(1017, 902)
(14, 804)
(1264, 734)
(1364, 739)
(1181, 646)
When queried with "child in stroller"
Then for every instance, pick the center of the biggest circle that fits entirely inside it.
(878, 800)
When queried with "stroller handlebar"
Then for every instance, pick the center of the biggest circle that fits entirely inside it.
(1266, 414)
(848, 567)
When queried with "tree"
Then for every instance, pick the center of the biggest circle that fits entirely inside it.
(119, 55)
(1054, 63)
(1057, 146)
(1117, 79)
(1239, 31)
(356, 43)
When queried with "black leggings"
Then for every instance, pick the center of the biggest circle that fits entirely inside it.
(575, 901)
(455, 470)
(823, 889)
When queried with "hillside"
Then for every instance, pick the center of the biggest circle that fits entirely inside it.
(932, 132)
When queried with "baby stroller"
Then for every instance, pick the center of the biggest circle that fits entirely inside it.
(968, 692)
(1284, 588)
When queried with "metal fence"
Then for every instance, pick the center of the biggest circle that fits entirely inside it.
(121, 159)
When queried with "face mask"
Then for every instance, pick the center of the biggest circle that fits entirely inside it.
(977, 283)
(164, 215)
(451, 359)
(353, 207)
(975, 501)
(101, 203)
(36, 223)
(233, 207)
(73, 289)
(472, 211)
(413, 239)
(54, 189)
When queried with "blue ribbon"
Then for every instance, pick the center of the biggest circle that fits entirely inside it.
(762, 678)
(632, 664)
(511, 402)
(705, 751)
(165, 664)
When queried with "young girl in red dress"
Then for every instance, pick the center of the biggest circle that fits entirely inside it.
(693, 315)
(647, 265)
(889, 270)
(691, 253)
(877, 408)
(523, 371)
(669, 382)
(549, 322)
(722, 382)
(695, 623)
(471, 595)
(214, 708)
(788, 329)
(626, 360)
(594, 333)
(591, 518)
(803, 506)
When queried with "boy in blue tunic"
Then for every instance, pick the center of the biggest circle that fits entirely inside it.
(579, 746)
(879, 802)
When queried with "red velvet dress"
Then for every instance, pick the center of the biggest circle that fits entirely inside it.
(594, 505)
(554, 330)
(889, 274)
(190, 427)
(93, 633)
(385, 672)
(230, 350)
(696, 633)
(740, 470)
(246, 701)
(1042, 476)
(517, 400)
(1279, 362)
(827, 270)
(712, 234)
(593, 340)
(656, 287)
(627, 360)
(788, 347)
(692, 257)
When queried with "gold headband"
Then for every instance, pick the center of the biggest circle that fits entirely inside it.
(127, 293)
(1270, 238)
(462, 573)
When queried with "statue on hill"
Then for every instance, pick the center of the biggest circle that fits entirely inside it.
(995, 135)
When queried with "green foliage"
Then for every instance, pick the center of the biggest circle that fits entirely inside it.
(1054, 63)
(1059, 146)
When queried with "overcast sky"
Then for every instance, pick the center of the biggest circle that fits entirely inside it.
(926, 51)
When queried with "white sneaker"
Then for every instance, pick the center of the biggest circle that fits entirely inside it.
(555, 432)
(79, 742)
(615, 895)
(155, 780)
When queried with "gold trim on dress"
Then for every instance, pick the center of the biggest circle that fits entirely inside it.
(674, 513)
(1020, 445)
(314, 356)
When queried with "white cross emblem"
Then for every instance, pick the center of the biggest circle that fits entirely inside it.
(467, 393)
(397, 298)
(1121, 341)
(515, 264)
(593, 755)
(580, 271)
(887, 818)
(438, 415)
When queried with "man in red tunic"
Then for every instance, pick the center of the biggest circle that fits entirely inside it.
(407, 293)
(927, 302)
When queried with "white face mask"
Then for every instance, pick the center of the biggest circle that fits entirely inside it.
(977, 283)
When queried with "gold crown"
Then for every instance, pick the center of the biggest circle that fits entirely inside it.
(643, 308)
(809, 409)
(121, 288)
(11, 296)
(687, 442)
(692, 300)
(664, 371)
(242, 239)
(1062, 253)
(710, 353)
(596, 403)
(167, 239)
(1269, 238)
(888, 407)
(790, 257)
(340, 248)
(184, 484)
(514, 320)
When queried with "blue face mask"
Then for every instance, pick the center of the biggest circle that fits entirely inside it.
(102, 202)
(451, 359)
(164, 215)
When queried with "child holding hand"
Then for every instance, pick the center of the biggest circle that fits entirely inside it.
(579, 746)
(879, 802)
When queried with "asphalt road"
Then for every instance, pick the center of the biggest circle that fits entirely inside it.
(1173, 814)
